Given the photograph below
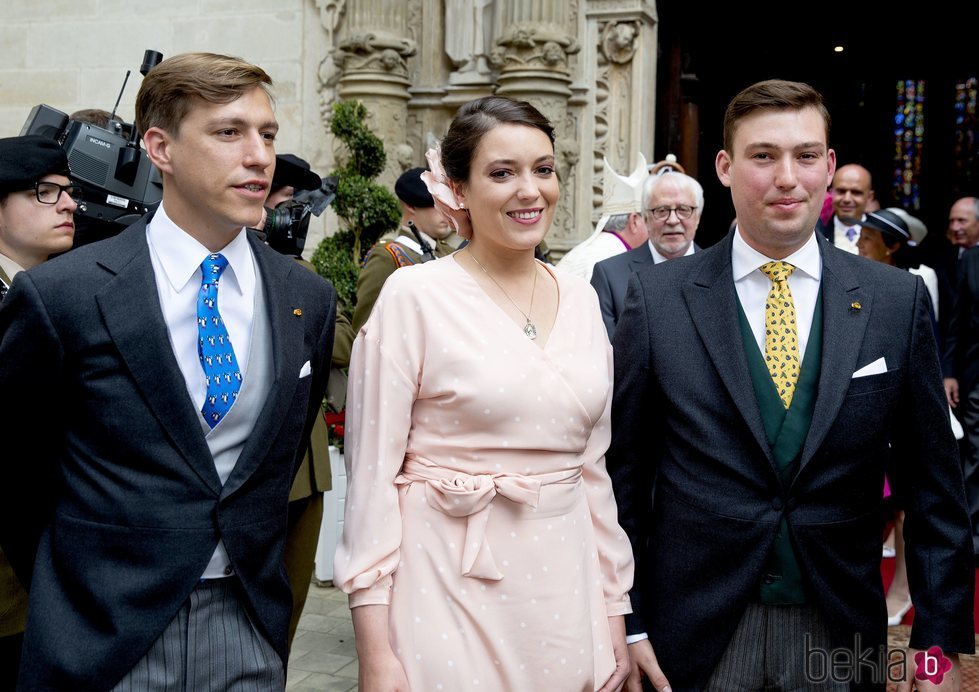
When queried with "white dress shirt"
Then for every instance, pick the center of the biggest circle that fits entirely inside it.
(753, 287)
(657, 258)
(840, 238)
(177, 258)
(10, 267)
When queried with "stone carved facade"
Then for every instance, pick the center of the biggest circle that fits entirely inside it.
(588, 65)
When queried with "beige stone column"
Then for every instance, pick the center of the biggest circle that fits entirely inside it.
(620, 61)
(371, 56)
(533, 56)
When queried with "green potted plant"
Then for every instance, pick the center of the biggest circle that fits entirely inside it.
(366, 210)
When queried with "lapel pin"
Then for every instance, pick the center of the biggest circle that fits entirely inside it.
(297, 312)
(855, 305)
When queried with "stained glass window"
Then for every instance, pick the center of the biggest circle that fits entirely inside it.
(909, 135)
(966, 145)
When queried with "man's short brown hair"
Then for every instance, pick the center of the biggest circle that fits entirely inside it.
(775, 95)
(169, 89)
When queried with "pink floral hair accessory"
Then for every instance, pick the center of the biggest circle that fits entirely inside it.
(445, 200)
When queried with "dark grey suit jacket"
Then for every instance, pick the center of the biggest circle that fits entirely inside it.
(119, 500)
(684, 412)
(610, 279)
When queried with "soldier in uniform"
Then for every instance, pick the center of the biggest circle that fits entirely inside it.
(36, 221)
(424, 235)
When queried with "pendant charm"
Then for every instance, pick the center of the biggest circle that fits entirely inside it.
(530, 330)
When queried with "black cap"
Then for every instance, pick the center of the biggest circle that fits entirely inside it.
(293, 171)
(411, 189)
(888, 223)
(25, 160)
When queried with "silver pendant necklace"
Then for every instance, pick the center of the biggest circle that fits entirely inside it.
(529, 329)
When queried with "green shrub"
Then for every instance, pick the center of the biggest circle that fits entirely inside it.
(366, 210)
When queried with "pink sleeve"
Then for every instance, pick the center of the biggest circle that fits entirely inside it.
(381, 390)
(614, 549)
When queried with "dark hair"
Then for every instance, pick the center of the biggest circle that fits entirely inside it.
(474, 120)
(169, 89)
(95, 116)
(775, 95)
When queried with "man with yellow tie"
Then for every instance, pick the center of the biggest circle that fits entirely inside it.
(762, 388)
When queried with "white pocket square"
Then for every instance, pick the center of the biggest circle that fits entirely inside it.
(306, 370)
(878, 367)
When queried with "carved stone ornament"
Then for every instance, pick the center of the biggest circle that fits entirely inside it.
(374, 52)
(331, 11)
(619, 41)
(528, 45)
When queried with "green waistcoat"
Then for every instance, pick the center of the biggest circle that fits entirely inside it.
(782, 581)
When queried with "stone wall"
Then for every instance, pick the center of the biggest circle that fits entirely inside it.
(589, 65)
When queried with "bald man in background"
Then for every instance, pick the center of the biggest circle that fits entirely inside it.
(851, 190)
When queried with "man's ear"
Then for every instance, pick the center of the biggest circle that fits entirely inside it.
(156, 142)
(722, 164)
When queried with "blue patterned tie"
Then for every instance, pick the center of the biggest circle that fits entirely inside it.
(214, 345)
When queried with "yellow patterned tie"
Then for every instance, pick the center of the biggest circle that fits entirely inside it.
(781, 334)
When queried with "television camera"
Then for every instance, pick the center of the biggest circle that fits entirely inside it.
(119, 184)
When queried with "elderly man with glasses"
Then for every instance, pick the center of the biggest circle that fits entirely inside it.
(674, 203)
(37, 203)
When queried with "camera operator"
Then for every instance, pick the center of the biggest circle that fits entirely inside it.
(36, 209)
(292, 174)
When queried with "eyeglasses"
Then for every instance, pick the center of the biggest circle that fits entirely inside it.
(683, 212)
(50, 193)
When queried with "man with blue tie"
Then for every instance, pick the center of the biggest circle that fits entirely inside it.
(850, 191)
(192, 359)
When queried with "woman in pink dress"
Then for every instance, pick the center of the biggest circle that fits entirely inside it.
(480, 548)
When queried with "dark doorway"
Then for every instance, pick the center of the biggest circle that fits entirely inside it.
(708, 55)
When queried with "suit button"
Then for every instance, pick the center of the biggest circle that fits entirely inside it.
(777, 504)
(228, 571)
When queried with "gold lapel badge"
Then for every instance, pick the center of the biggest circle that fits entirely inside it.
(855, 305)
(297, 312)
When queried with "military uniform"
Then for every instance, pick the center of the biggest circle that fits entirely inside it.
(383, 259)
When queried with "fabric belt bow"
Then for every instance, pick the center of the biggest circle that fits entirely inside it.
(462, 495)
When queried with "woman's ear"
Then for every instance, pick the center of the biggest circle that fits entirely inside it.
(459, 190)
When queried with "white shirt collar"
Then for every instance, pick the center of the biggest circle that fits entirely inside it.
(10, 267)
(839, 225)
(181, 255)
(745, 259)
(657, 258)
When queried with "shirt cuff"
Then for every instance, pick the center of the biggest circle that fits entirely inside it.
(633, 638)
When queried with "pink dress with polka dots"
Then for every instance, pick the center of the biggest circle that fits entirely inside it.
(478, 505)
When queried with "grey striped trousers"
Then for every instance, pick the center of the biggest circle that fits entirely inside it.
(778, 649)
(210, 645)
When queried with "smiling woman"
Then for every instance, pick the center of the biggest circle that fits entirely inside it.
(480, 547)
